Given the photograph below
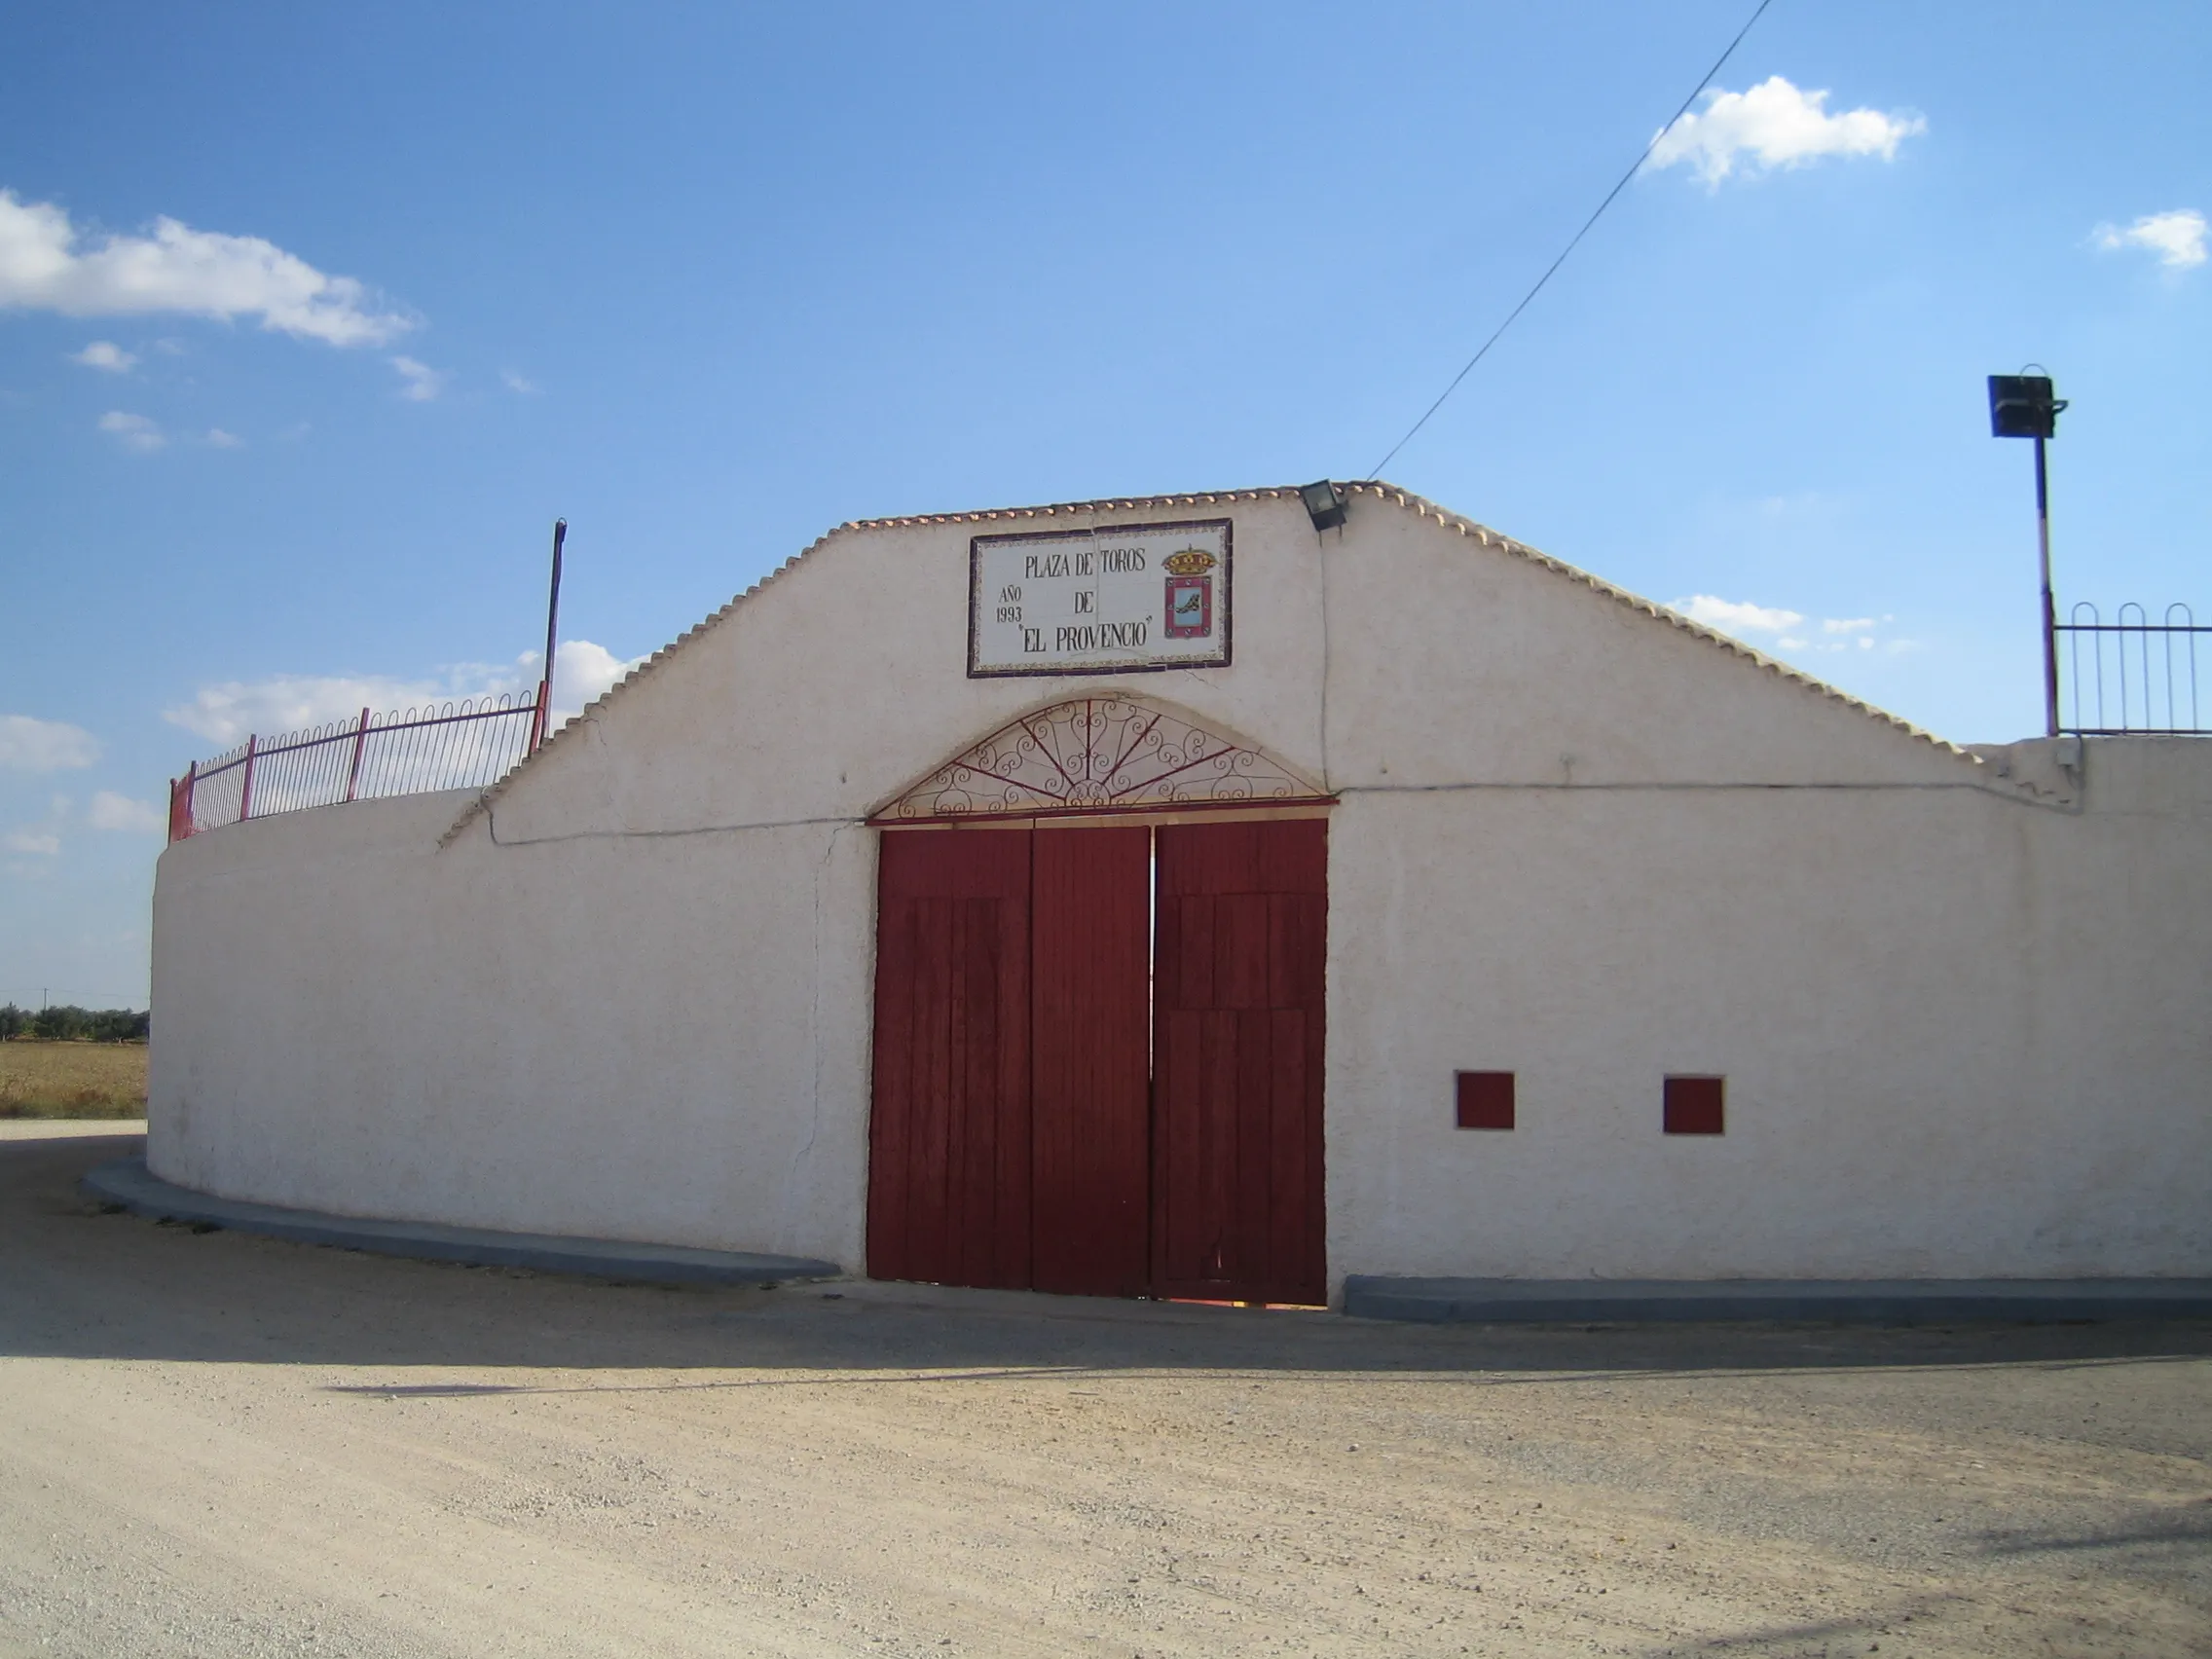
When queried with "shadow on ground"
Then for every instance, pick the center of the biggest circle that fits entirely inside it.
(82, 1283)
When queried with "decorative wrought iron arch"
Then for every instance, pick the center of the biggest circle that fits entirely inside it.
(1101, 754)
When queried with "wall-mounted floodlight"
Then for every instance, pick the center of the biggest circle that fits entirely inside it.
(1324, 504)
(2022, 406)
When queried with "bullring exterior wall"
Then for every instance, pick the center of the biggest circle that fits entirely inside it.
(1960, 1002)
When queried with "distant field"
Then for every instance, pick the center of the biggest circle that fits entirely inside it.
(72, 1079)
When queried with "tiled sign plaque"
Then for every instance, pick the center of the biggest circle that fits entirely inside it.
(1125, 599)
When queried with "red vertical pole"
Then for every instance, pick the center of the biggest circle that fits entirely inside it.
(245, 789)
(360, 736)
(190, 780)
(180, 805)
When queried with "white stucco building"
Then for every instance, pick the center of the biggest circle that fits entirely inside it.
(841, 930)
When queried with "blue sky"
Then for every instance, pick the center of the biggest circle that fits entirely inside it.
(710, 279)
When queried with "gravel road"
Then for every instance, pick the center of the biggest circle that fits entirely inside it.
(215, 1445)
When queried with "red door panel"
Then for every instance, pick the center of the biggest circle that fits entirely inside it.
(1239, 1026)
(1090, 1084)
(1089, 1036)
(949, 1150)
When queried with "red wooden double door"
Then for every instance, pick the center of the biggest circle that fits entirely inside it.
(1098, 1060)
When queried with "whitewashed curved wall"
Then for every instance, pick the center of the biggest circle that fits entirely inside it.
(1964, 1026)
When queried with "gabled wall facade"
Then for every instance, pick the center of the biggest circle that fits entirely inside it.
(1960, 1002)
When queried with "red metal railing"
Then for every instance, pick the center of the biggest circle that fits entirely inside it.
(469, 744)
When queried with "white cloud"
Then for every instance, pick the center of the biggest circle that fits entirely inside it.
(29, 745)
(217, 438)
(132, 432)
(519, 383)
(582, 672)
(1733, 617)
(2176, 238)
(1776, 125)
(226, 714)
(112, 811)
(105, 355)
(42, 839)
(46, 264)
(1791, 634)
(424, 382)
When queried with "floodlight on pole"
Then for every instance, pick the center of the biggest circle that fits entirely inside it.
(2022, 406)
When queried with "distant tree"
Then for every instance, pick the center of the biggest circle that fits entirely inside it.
(119, 1025)
(60, 1023)
(66, 1022)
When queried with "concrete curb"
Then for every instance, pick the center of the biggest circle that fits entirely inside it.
(1857, 1302)
(128, 1182)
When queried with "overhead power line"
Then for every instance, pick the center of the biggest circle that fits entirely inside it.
(1705, 80)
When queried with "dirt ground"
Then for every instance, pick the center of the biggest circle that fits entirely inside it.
(214, 1445)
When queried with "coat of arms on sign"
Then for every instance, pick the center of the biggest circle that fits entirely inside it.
(1190, 593)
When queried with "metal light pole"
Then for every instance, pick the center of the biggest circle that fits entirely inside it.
(2021, 406)
(538, 726)
(2049, 604)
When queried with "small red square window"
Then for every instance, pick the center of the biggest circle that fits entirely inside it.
(1694, 1106)
(1486, 1100)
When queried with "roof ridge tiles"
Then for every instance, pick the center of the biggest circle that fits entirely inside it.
(1486, 536)
(1481, 534)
